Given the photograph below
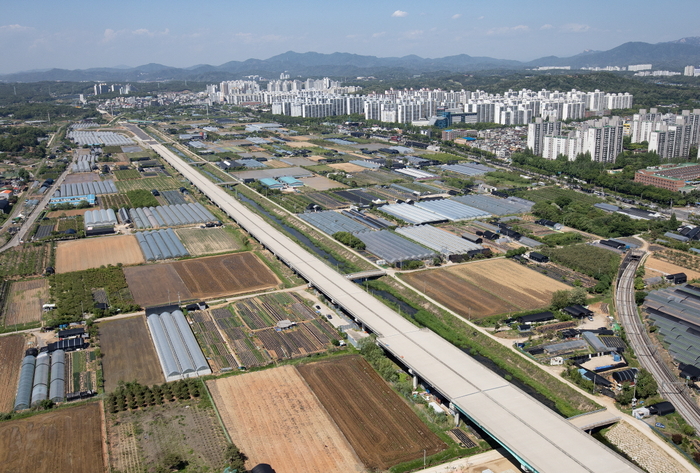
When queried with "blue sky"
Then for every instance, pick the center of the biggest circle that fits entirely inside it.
(39, 34)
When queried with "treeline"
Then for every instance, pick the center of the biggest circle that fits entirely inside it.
(19, 139)
(348, 239)
(597, 263)
(595, 173)
(46, 111)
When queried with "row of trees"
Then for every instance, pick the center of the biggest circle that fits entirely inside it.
(134, 395)
(348, 239)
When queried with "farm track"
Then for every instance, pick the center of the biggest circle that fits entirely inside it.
(670, 386)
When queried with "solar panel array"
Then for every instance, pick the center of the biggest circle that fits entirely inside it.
(332, 222)
(107, 138)
(86, 188)
(496, 205)
(439, 240)
(393, 248)
(170, 215)
(468, 169)
(179, 354)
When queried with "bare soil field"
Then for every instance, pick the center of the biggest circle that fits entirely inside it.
(662, 268)
(156, 284)
(140, 439)
(129, 354)
(25, 301)
(488, 287)
(347, 167)
(321, 183)
(81, 177)
(274, 418)
(11, 354)
(379, 425)
(62, 441)
(203, 278)
(77, 255)
(218, 276)
(207, 241)
(68, 213)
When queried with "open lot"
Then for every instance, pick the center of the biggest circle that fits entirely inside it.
(61, 441)
(161, 183)
(207, 241)
(81, 177)
(347, 167)
(321, 183)
(274, 418)
(197, 438)
(11, 354)
(129, 354)
(379, 425)
(487, 287)
(67, 213)
(25, 301)
(77, 255)
(203, 278)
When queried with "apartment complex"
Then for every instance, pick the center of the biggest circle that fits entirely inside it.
(669, 135)
(601, 138)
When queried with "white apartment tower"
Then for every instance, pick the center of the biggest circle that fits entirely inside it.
(537, 131)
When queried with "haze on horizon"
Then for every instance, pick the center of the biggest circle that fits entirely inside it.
(82, 35)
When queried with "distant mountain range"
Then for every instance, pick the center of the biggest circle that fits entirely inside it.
(673, 55)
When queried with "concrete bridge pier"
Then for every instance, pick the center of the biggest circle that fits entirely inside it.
(456, 419)
(415, 382)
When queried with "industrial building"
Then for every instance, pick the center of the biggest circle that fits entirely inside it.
(179, 354)
(674, 177)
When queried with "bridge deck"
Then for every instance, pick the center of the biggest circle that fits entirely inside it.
(536, 435)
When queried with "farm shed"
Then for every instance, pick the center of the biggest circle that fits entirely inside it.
(596, 344)
(451, 210)
(441, 241)
(179, 354)
(290, 181)
(625, 376)
(332, 222)
(495, 205)
(73, 332)
(69, 344)
(538, 257)
(40, 387)
(529, 242)
(661, 408)
(689, 372)
(161, 244)
(471, 237)
(392, 248)
(577, 311)
(26, 382)
(536, 318)
(467, 168)
(57, 388)
(412, 214)
(358, 196)
(677, 278)
(371, 221)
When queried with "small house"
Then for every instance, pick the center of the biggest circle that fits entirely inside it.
(536, 318)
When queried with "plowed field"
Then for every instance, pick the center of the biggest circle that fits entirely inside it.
(379, 425)
(207, 241)
(77, 255)
(203, 278)
(63, 441)
(25, 301)
(129, 354)
(274, 418)
(11, 353)
(487, 287)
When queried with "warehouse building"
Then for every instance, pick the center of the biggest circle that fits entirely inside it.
(179, 354)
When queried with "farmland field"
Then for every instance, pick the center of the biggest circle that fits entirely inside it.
(238, 339)
(197, 438)
(11, 354)
(160, 183)
(68, 213)
(551, 193)
(25, 260)
(25, 300)
(114, 201)
(156, 284)
(274, 418)
(381, 427)
(89, 253)
(128, 352)
(206, 241)
(127, 174)
(62, 441)
(211, 341)
(488, 287)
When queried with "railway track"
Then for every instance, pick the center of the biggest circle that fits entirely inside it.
(670, 386)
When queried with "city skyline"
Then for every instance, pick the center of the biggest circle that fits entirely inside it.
(79, 36)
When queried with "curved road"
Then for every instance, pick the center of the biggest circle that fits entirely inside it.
(670, 386)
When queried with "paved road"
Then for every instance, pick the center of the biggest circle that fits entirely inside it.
(533, 433)
(670, 386)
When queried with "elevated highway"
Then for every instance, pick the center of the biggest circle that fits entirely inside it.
(537, 437)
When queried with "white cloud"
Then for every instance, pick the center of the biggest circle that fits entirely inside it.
(546, 27)
(146, 32)
(508, 30)
(456, 15)
(14, 28)
(414, 34)
(379, 35)
(575, 28)
(481, 17)
(109, 35)
(399, 14)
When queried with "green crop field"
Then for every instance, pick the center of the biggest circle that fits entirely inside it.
(127, 174)
(551, 193)
(114, 201)
(161, 183)
(25, 260)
